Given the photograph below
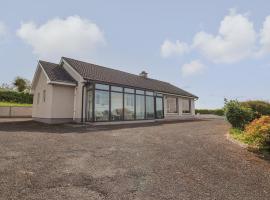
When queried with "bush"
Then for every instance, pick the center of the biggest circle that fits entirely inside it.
(15, 97)
(237, 114)
(259, 108)
(219, 112)
(257, 133)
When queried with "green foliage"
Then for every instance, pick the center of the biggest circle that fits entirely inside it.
(15, 104)
(15, 97)
(219, 112)
(21, 84)
(237, 114)
(259, 108)
(239, 135)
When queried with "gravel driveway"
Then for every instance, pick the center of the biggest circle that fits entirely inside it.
(191, 160)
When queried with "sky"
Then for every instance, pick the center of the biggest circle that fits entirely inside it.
(213, 49)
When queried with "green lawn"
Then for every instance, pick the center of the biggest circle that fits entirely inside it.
(14, 104)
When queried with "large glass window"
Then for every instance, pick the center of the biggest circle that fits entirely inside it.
(140, 107)
(150, 113)
(116, 106)
(116, 89)
(139, 92)
(129, 106)
(101, 105)
(172, 105)
(102, 87)
(159, 107)
(128, 90)
(111, 102)
(149, 93)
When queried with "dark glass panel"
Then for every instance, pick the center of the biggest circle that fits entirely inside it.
(159, 108)
(150, 107)
(101, 105)
(140, 107)
(129, 106)
(116, 106)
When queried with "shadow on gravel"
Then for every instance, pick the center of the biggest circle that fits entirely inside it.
(33, 126)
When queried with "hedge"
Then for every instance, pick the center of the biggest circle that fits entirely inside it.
(259, 108)
(15, 97)
(219, 112)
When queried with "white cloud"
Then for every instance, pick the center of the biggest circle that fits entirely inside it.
(169, 48)
(192, 68)
(72, 36)
(235, 40)
(265, 37)
(3, 30)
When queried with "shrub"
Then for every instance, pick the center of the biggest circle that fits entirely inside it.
(237, 114)
(15, 97)
(219, 112)
(257, 133)
(258, 107)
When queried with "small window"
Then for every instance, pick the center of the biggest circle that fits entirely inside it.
(139, 92)
(38, 96)
(128, 90)
(116, 89)
(149, 93)
(186, 104)
(172, 105)
(44, 95)
(159, 95)
(102, 87)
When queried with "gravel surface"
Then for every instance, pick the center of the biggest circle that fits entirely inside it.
(187, 160)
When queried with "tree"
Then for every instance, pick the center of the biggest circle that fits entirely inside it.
(6, 86)
(21, 84)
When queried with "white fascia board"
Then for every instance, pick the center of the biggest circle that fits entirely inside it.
(178, 95)
(39, 66)
(48, 79)
(35, 77)
(62, 83)
(70, 67)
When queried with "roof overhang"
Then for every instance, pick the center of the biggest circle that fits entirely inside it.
(38, 70)
(165, 93)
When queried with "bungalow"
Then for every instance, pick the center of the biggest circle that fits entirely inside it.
(76, 91)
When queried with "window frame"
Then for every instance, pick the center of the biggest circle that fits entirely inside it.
(176, 104)
(189, 106)
(133, 90)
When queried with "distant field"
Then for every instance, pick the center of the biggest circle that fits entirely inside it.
(14, 104)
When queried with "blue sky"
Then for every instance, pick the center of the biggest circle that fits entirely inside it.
(214, 49)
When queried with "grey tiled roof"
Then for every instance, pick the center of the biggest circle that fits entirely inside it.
(56, 72)
(98, 73)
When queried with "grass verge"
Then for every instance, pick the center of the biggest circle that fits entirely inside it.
(242, 138)
(14, 104)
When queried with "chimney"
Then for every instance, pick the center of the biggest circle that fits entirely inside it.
(144, 74)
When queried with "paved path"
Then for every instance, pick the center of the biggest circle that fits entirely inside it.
(191, 160)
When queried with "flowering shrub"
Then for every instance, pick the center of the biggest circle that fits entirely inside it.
(257, 133)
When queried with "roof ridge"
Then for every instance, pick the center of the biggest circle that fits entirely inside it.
(48, 62)
(115, 70)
